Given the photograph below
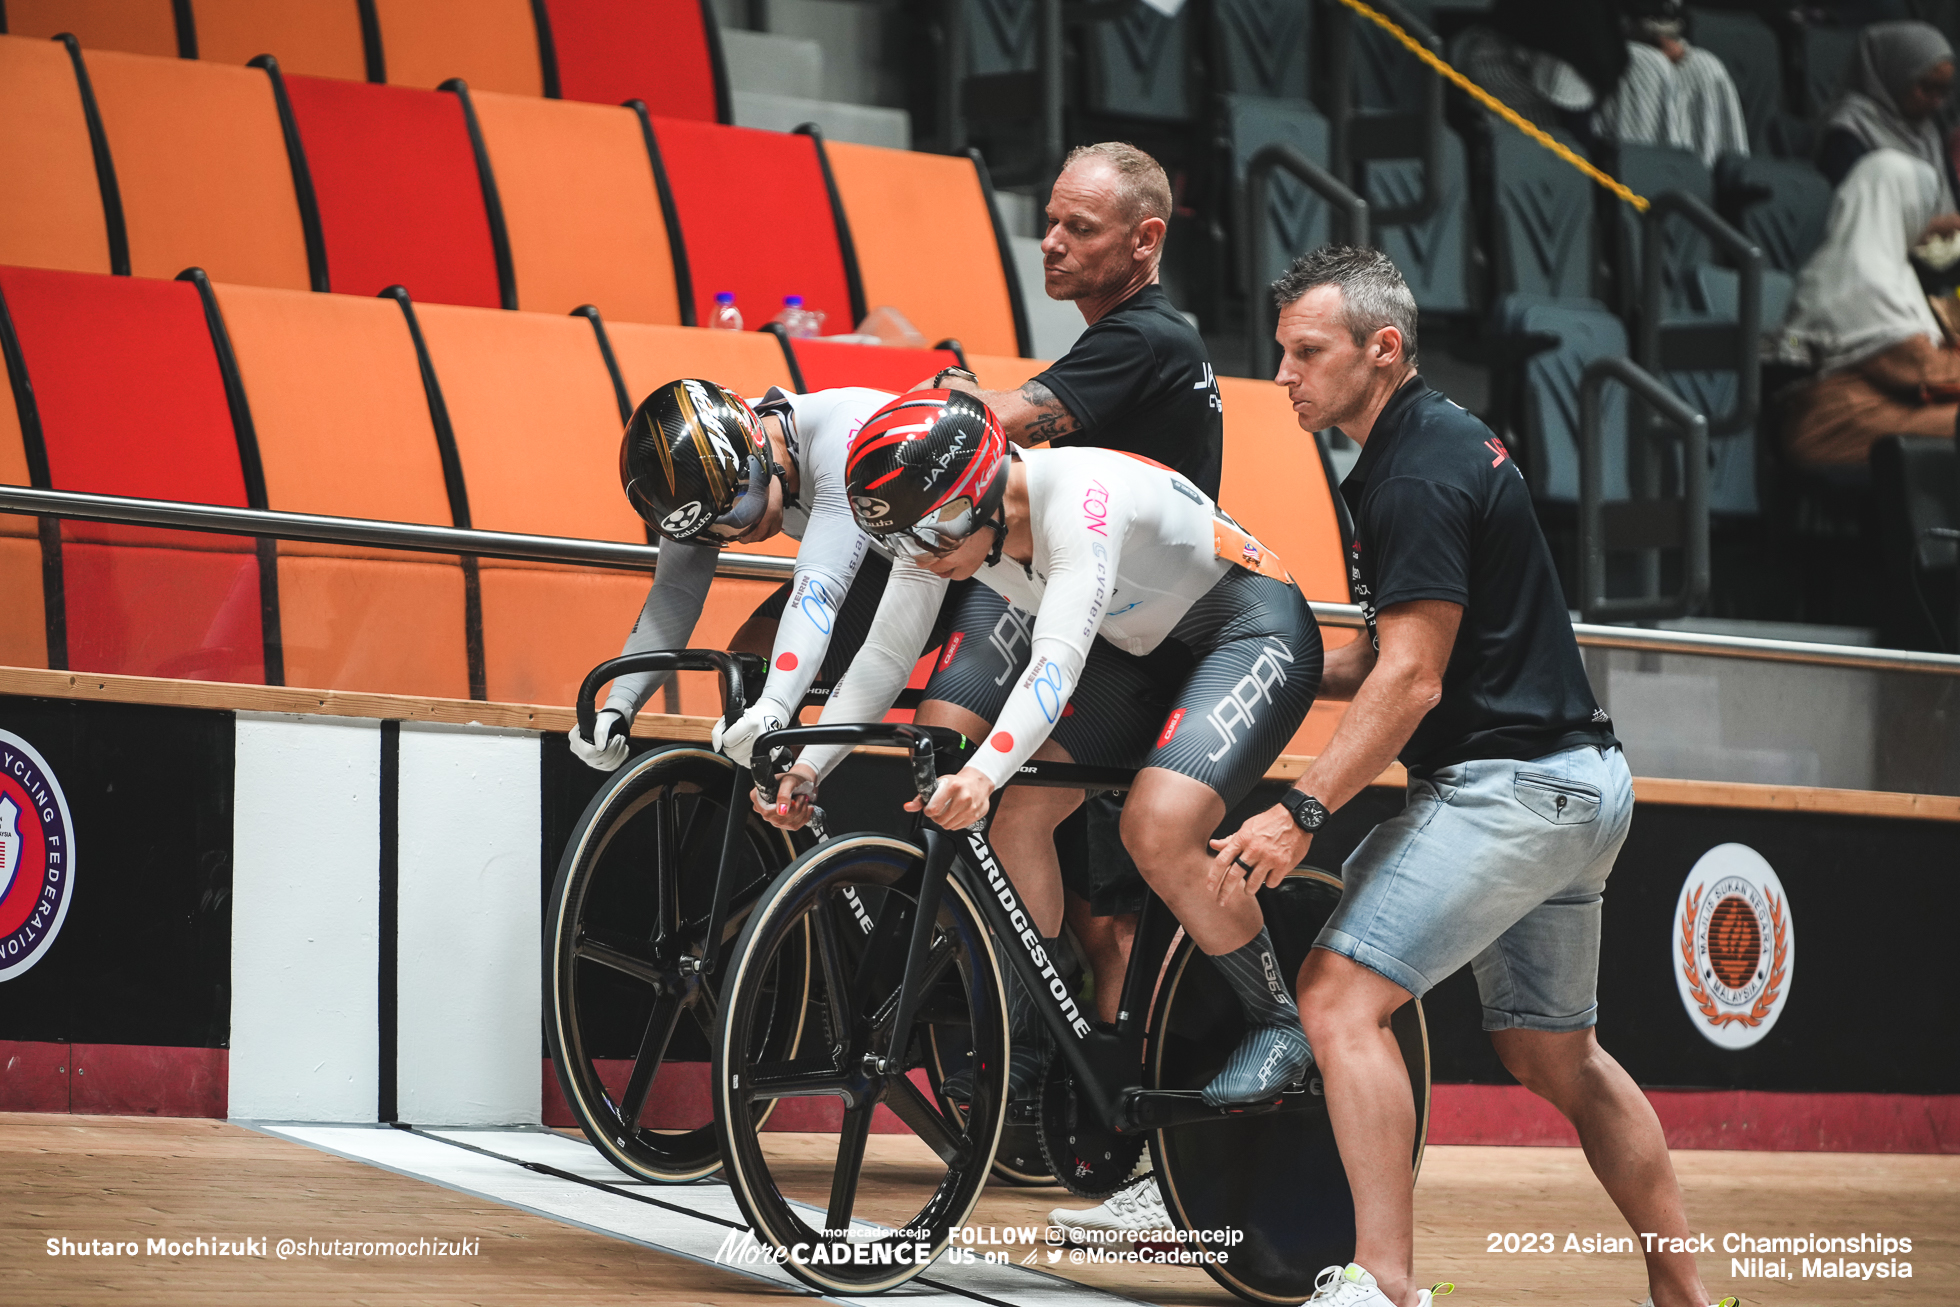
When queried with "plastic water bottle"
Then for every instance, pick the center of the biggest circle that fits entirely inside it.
(798, 321)
(726, 316)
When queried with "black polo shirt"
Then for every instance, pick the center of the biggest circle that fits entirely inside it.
(1441, 512)
(1138, 380)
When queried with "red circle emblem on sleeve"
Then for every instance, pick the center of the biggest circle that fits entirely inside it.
(786, 663)
(1003, 742)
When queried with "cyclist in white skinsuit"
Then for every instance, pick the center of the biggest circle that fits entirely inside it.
(820, 615)
(1164, 637)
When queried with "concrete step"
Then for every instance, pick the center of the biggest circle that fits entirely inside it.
(774, 65)
(862, 123)
(857, 66)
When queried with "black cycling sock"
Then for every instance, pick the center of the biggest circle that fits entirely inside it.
(1027, 1035)
(1274, 1052)
(1252, 971)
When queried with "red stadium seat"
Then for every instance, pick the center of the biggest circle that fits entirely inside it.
(756, 220)
(130, 401)
(825, 364)
(202, 169)
(491, 44)
(343, 428)
(664, 52)
(400, 197)
(138, 26)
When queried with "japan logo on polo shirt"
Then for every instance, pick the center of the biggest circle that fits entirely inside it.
(37, 856)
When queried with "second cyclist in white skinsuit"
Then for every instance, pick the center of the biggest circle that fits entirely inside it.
(1163, 638)
(821, 613)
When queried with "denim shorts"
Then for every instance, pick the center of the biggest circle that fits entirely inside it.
(1500, 864)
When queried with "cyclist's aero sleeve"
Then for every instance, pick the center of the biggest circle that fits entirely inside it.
(1082, 556)
(826, 563)
(673, 606)
(897, 637)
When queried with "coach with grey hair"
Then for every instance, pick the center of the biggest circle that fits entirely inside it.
(1518, 802)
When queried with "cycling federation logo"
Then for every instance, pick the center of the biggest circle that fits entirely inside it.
(37, 856)
(1733, 946)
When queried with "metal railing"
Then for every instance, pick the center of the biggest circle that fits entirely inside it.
(1690, 345)
(639, 558)
(1649, 522)
(1351, 219)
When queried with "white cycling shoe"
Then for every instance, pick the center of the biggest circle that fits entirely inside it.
(1350, 1286)
(1132, 1210)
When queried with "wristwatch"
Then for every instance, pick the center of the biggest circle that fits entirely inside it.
(1307, 812)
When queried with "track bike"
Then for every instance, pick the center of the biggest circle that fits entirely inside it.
(658, 874)
(907, 945)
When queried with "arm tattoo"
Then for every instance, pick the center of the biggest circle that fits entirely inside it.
(1051, 417)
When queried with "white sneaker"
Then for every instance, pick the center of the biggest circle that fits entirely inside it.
(1132, 1210)
(1350, 1286)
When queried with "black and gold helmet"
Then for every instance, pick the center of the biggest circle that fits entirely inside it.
(694, 462)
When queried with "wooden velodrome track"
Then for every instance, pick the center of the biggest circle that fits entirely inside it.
(584, 1235)
(130, 1179)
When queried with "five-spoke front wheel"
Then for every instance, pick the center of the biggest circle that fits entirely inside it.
(856, 899)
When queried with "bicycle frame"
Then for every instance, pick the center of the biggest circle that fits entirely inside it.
(1107, 1063)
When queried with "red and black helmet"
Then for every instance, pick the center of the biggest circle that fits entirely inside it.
(927, 470)
(694, 462)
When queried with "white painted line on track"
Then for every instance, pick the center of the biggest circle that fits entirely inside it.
(691, 1221)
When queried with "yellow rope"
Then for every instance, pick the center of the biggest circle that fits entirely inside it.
(1496, 106)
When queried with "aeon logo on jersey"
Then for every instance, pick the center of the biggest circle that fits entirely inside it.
(1095, 508)
(37, 856)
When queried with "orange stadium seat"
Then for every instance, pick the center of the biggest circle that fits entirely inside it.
(749, 362)
(537, 431)
(400, 198)
(1273, 483)
(996, 372)
(758, 250)
(318, 38)
(923, 228)
(491, 44)
(343, 428)
(137, 26)
(202, 169)
(825, 364)
(130, 401)
(577, 190)
(666, 53)
(24, 635)
(51, 213)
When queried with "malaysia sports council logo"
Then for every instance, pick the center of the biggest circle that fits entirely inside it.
(37, 856)
(1733, 946)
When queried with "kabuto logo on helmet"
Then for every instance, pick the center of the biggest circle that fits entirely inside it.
(683, 520)
(871, 511)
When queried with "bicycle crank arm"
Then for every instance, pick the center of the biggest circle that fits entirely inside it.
(1160, 1109)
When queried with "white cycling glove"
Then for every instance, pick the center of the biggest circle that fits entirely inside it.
(607, 748)
(737, 742)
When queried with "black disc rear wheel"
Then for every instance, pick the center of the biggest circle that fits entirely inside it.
(1277, 1177)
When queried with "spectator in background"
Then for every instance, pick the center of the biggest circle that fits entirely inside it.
(1673, 94)
(1551, 60)
(1859, 316)
(1899, 75)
